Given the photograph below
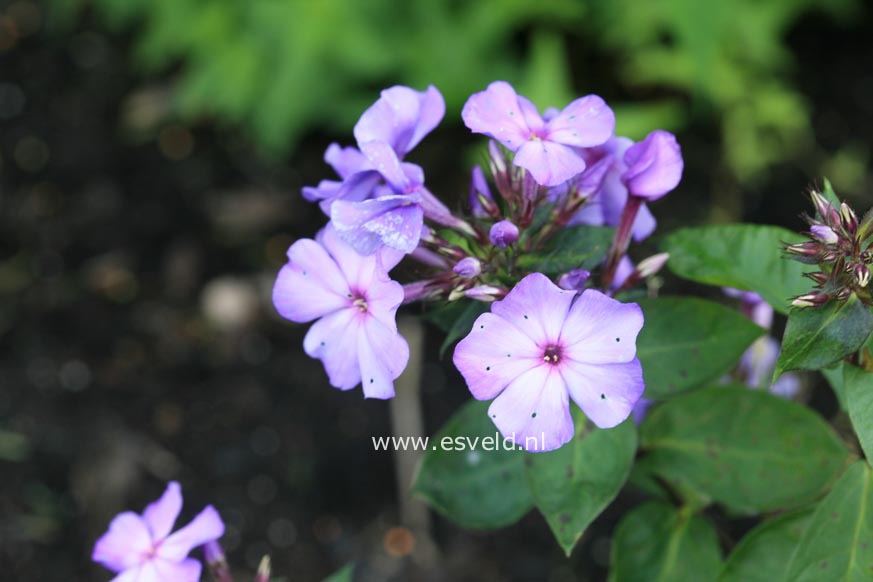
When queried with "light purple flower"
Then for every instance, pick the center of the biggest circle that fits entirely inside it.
(541, 346)
(401, 117)
(824, 233)
(610, 195)
(355, 304)
(574, 280)
(503, 234)
(140, 548)
(547, 149)
(654, 166)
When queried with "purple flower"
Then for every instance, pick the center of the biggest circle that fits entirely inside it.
(654, 166)
(140, 548)
(503, 234)
(401, 117)
(541, 346)
(355, 303)
(346, 162)
(574, 280)
(547, 149)
(610, 195)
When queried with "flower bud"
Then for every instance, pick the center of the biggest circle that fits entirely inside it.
(654, 166)
(848, 218)
(468, 268)
(810, 300)
(574, 280)
(651, 265)
(861, 275)
(824, 234)
(264, 570)
(820, 277)
(485, 293)
(503, 234)
(481, 200)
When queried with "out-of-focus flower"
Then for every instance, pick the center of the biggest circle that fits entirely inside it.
(547, 149)
(654, 166)
(355, 303)
(503, 234)
(541, 346)
(140, 548)
(574, 280)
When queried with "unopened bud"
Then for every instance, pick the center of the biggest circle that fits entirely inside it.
(810, 300)
(496, 159)
(824, 233)
(848, 218)
(485, 293)
(819, 277)
(468, 268)
(264, 570)
(861, 275)
(481, 201)
(804, 249)
(216, 561)
(651, 265)
(574, 280)
(503, 234)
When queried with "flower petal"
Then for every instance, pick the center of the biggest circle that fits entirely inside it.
(493, 354)
(158, 570)
(357, 269)
(205, 527)
(383, 298)
(346, 161)
(584, 123)
(601, 330)
(395, 221)
(124, 544)
(401, 117)
(654, 165)
(606, 393)
(534, 410)
(496, 112)
(385, 161)
(310, 285)
(537, 307)
(333, 339)
(382, 356)
(549, 163)
(161, 515)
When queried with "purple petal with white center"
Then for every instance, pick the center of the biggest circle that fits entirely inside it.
(394, 221)
(124, 544)
(601, 330)
(548, 162)
(654, 166)
(160, 515)
(310, 285)
(537, 307)
(496, 112)
(382, 357)
(205, 527)
(333, 340)
(494, 354)
(606, 393)
(586, 122)
(534, 410)
(401, 117)
(346, 161)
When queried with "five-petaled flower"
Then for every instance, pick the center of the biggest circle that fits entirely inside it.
(541, 346)
(545, 148)
(140, 548)
(355, 303)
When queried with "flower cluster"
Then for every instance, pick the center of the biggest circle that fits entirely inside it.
(841, 247)
(543, 343)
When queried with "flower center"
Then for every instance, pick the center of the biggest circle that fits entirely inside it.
(360, 303)
(552, 354)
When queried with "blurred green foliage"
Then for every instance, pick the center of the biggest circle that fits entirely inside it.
(283, 67)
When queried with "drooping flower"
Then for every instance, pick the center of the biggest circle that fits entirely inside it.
(654, 166)
(542, 346)
(547, 149)
(140, 548)
(355, 304)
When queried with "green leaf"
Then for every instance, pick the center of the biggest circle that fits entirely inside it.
(344, 574)
(838, 543)
(469, 484)
(818, 337)
(574, 484)
(859, 401)
(655, 542)
(733, 443)
(744, 256)
(834, 376)
(464, 323)
(763, 554)
(687, 342)
(576, 247)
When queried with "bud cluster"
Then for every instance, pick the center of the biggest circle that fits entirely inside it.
(839, 243)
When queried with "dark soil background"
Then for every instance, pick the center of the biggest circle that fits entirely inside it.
(138, 343)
